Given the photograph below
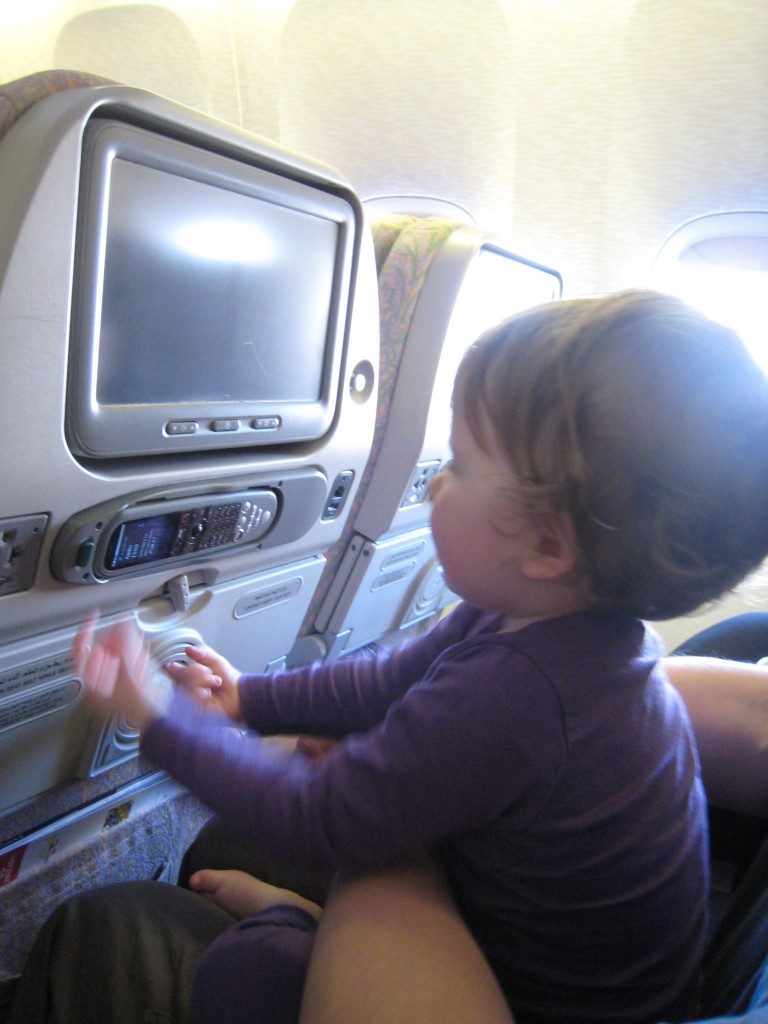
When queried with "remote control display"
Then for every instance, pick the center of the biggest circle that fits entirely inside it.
(155, 538)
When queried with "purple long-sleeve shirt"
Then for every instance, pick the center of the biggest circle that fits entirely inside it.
(552, 769)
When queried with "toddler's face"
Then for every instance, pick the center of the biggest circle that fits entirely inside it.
(481, 563)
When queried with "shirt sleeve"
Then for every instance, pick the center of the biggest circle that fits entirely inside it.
(460, 748)
(350, 694)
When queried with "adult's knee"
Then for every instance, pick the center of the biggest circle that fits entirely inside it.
(131, 947)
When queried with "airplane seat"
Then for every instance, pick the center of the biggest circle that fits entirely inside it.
(106, 190)
(385, 231)
(18, 96)
(404, 246)
(441, 281)
(150, 850)
(209, 524)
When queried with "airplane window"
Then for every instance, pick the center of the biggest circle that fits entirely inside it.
(720, 265)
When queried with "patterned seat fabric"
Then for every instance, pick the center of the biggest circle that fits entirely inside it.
(21, 94)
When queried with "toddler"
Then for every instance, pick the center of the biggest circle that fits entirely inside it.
(610, 465)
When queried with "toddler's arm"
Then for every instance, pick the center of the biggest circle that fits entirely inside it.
(119, 674)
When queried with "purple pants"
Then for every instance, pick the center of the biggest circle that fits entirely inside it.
(254, 972)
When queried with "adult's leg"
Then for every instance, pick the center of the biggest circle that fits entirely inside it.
(124, 952)
(391, 948)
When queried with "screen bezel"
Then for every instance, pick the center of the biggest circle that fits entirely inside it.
(122, 431)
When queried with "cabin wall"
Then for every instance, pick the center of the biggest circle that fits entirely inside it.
(585, 131)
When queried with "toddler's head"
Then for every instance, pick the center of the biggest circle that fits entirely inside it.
(642, 423)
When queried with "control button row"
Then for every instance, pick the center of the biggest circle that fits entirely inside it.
(179, 428)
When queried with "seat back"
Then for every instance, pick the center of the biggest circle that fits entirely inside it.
(404, 248)
(18, 96)
(60, 501)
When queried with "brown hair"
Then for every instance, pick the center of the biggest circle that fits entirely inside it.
(647, 425)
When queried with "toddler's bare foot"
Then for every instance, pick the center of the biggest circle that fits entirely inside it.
(242, 895)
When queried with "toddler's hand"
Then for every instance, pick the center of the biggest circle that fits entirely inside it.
(118, 672)
(210, 679)
(314, 747)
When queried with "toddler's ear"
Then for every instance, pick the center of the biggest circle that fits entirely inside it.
(551, 551)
